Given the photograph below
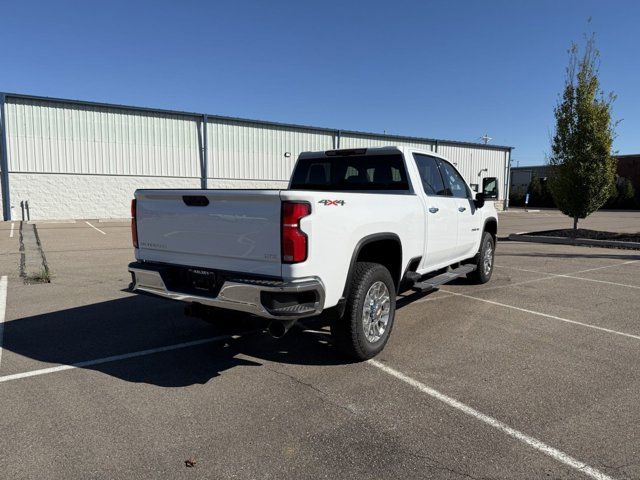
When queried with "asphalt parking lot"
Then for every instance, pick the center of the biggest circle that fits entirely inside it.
(516, 220)
(533, 375)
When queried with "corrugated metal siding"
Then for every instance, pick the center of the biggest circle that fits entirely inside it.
(250, 151)
(470, 161)
(348, 140)
(56, 137)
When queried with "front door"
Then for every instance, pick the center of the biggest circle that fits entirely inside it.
(441, 234)
(469, 218)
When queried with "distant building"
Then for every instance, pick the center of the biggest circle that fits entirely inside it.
(628, 167)
(521, 178)
(76, 159)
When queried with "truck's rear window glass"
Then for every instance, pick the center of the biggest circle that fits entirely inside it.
(352, 172)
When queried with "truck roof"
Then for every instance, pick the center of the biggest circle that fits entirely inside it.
(363, 151)
(352, 151)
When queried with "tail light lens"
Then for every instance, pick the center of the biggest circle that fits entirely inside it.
(134, 225)
(294, 240)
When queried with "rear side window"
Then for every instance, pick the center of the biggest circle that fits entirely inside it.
(352, 172)
(432, 182)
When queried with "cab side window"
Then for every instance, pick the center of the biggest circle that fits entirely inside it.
(432, 182)
(457, 186)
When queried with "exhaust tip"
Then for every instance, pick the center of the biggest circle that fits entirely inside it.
(279, 328)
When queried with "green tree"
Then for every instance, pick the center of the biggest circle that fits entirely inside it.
(581, 165)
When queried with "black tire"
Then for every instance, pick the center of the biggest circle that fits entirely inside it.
(482, 274)
(348, 331)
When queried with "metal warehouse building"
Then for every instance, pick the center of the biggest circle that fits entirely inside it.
(74, 159)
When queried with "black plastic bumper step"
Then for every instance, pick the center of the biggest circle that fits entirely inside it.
(434, 282)
(299, 309)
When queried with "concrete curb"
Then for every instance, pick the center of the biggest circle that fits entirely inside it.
(35, 222)
(523, 237)
(519, 211)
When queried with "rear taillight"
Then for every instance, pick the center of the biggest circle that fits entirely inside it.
(294, 240)
(134, 225)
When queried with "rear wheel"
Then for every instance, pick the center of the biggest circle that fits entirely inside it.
(484, 260)
(363, 330)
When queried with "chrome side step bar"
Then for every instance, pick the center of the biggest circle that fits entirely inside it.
(434, 282)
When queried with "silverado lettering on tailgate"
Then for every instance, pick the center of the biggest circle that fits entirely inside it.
(157, 246)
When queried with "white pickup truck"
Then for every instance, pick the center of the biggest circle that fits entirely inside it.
(353, 229)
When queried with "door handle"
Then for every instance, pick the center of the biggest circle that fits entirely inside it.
(434, 209)
(462, 209)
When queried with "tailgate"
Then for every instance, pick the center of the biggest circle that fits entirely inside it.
(234, 230)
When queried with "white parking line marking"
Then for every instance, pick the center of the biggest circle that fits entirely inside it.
(482, 289)
(512, 432)
(3, 309)
(524, 282)
(546, 315)
(497, 287)
(429, 299)
(95, 228)
(568, 275)
(600, 281)
(114, 358)
(11, 231)
(547, 276)
(523, 270)
(606, 266)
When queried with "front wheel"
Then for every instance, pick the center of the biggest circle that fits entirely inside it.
(363, 330)
(485, 258)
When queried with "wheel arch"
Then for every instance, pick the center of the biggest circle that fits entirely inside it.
(375, 248)
(491, 226)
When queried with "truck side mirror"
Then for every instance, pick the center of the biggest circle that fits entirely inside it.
(479, 200)
(490, 188)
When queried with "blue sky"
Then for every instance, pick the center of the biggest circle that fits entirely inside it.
(449, 69)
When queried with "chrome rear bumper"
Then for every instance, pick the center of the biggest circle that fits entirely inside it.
(243, 295)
